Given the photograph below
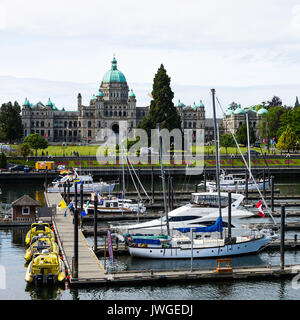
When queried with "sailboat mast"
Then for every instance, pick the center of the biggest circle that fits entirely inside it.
(217, 152)
(163, 179)
(248, 140)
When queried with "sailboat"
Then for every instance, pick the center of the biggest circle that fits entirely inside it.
(194, 242)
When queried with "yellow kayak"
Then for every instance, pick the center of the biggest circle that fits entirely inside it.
(45, 269)
(37, 229)
(39, 245)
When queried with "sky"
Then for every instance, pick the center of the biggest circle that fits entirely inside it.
(248, 50)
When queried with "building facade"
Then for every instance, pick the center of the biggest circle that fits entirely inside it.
(236, 116)
(113, 102)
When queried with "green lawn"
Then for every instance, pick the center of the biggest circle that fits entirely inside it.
(91, 150)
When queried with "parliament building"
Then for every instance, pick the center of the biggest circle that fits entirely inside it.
(113, 102)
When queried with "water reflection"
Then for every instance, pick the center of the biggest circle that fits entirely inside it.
(44, 293)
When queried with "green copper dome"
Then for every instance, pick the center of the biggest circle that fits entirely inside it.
(26, 103)
(229, 112)
(180, 104)
(194, 106)
(131, 94)
(262, 111)
(114, 75)
(239, 110)
(49, 103)
(201, 105)
(100, 94)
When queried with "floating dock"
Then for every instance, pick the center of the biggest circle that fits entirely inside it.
(91, 272)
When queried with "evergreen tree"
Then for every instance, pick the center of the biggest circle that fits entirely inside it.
(241, 134)
(276, 101)
(162, 109)
(11, 128)
(297, 104)
(287, 140)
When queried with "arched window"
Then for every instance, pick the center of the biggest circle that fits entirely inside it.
(37, 124)
(89, 124)
(70, 124)
(124, 113)
(75, 124)
(120, 113)
(42, 123)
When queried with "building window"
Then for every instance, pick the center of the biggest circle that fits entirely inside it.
(89, 133)
(99, 124)
(42, 123)
(89, 124)
(25, 211)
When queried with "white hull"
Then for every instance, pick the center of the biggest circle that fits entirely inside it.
(239, 187)
(96, 187)
(248, 247)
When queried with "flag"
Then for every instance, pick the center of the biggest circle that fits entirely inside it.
(62, 204)
(260, 209)
(110, 247)
(77, 181)
(84, 212)
(71, 205)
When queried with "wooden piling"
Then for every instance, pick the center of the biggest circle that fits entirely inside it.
(68, 192)
(95, 221)
(282, 237)
(272, 193)
(81, 204)
(75, 259)
(204, 180)
(264, 183)
(229, 215)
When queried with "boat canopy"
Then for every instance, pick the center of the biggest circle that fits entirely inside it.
(217, 227)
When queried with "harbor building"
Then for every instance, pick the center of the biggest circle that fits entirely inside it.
(113, 102)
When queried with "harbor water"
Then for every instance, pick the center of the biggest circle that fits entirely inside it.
(12, 267)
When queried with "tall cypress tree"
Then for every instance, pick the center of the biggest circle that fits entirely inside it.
(162, 109)
(297, 104)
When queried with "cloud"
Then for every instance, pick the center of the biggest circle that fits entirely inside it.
(295, 22)
(3, 20)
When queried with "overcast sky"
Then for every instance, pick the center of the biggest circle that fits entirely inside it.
(246, 45)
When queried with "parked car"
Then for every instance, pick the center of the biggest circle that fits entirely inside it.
(253, 153)
(20, 167)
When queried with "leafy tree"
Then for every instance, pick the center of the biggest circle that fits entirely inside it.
(287, 140)
(241, 134)
(227, 141)
(274, 118)
(297, 104)
(162, 109)
(36, 142)
(24, 150)
(11, 128)
(3, 160)
(276, 101)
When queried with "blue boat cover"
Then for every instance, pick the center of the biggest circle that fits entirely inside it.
(218, 226)
(146, 241)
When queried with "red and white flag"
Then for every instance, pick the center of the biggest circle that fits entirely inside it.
(260, 209)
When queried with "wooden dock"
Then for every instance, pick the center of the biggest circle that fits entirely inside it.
(91, 272)
(89, 266)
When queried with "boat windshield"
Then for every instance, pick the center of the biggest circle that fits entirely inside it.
(209, 200)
